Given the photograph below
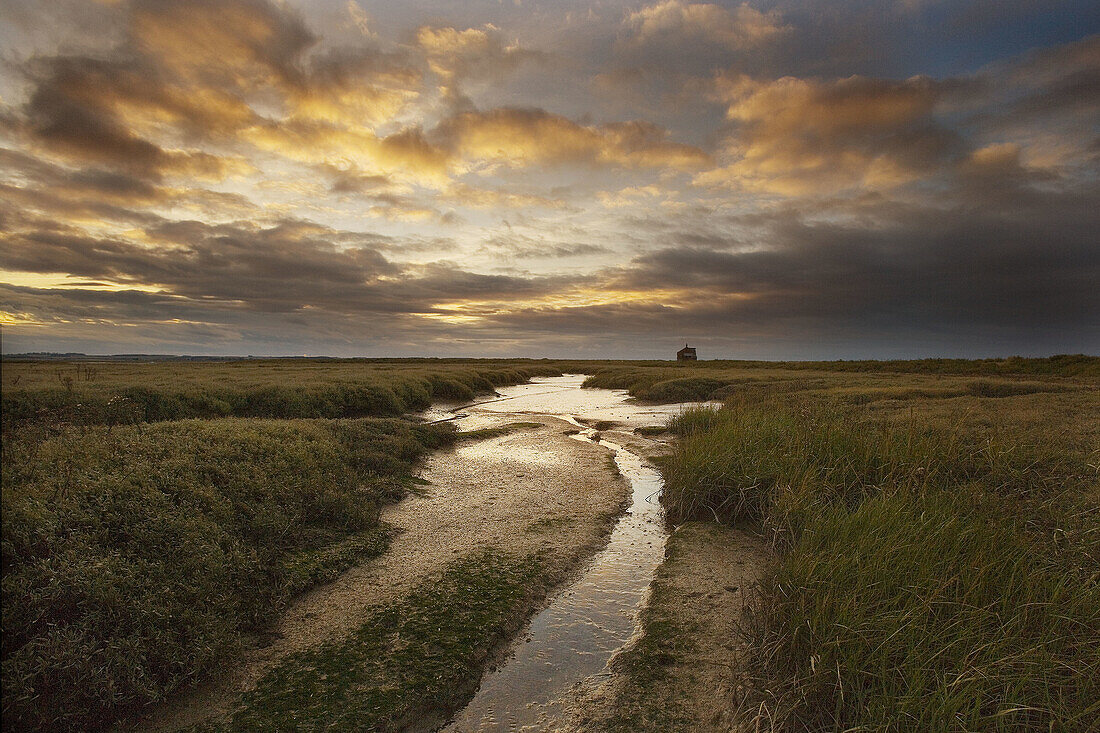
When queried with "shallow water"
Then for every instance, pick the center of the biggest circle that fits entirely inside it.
(570, 642)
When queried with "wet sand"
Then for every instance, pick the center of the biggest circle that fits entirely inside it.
(532, 490)
(699, 597)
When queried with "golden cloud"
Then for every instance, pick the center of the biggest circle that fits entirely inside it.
(801, 136)
(521, 137)
(219, 41)
(680, 22)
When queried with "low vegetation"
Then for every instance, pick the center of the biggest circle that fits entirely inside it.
(411, 664)
(939, 555)
(135, 558)
(716, 380)
(939, 522)
(649, 698)
(112, 393)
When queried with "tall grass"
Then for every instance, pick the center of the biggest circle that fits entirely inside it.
(134, 558)
(936, 574)
(926, 613)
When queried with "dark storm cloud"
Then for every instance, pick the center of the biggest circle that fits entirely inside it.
(899, 38)
(286, 267)
(668, 46)
(1053, 91)
(98, 184)
(194, 72)
(78, 108)
(36, 188)
(799, 136)
(1030, 265)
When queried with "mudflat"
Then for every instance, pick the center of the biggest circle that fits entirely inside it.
(532, 490)
(686, 669)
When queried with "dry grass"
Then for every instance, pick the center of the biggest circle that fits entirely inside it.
(940, 550)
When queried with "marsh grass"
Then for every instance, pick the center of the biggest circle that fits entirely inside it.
(861, 381)
(939, 556)
(926, 613)
(138, 553)
(135, 559)
(411, 664)
(37, 393)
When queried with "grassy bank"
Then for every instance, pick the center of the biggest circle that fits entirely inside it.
(136, 557)
(940, 555)
(853, 381)
(120, 393)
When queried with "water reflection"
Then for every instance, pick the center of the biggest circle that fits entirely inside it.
(575, 636)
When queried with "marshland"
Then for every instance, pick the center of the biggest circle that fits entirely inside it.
(372, 544)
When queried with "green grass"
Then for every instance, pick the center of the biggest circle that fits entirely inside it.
(926, 613)
(114, 393)
(865, 381)
(119, 393)
(412, 663)
(940, 554)
(135, 558)
(140, 547)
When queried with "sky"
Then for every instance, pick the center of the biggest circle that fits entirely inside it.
(776, 179)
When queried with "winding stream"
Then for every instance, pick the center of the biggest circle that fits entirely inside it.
(570, 642)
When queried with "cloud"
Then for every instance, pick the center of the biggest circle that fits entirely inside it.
(474, 197)
(461, 58)
(1045, 101)
(520, 137)
(222, 43)
(205, 171)
(674, 23)
(1024, 265)
(513, 245)
(799, 136)
(668, 44)
(190, 77)
(469, 52)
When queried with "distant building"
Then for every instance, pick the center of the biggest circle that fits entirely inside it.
(686, 354)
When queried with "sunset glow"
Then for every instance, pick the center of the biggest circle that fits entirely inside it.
(772, 179)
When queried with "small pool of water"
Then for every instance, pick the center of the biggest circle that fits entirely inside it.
(570, 642)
